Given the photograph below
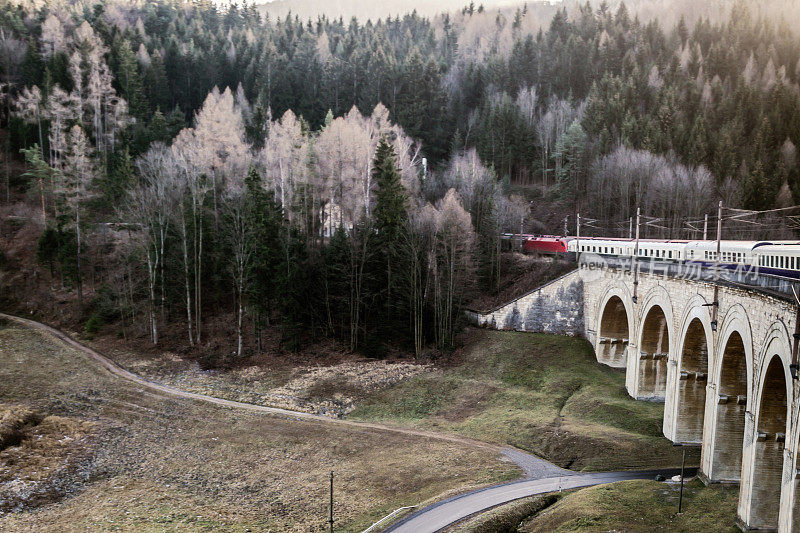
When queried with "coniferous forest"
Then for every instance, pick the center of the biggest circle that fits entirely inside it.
(177, 162)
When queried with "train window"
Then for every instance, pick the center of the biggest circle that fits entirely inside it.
(669, 254)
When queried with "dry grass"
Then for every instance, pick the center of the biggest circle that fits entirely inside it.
(542, 393)
(640, 506)
(13, 421)
(332, 389)
(41, 458)
(166, 463)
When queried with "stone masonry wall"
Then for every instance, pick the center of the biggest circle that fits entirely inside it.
(556, 307)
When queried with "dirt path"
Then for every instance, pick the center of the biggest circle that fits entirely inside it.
(532, 466)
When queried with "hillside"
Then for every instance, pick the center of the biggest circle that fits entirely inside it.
(366, 10)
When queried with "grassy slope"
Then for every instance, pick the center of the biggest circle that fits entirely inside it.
(168, 463)
(542, 393)
(640, 506)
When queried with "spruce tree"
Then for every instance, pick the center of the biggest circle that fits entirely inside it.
(391, 216)
(265, 216)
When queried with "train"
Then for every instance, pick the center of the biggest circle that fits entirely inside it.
(777, 258)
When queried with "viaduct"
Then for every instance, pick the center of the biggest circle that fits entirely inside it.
(726, 384)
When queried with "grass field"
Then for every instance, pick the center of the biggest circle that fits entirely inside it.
(640, 506)
(542, 393)
(167, 463)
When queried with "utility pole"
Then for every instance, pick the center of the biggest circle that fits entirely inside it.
(715, 304)
(794, 367)
(330, 520)
(630, 227)
(680, 498)
(636, 255)
(705, 228)
(566, 231)
(578, 239)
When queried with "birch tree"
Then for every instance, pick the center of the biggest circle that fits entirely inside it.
(454, 264)
(237, 228)
(186, 150)
(152, 205)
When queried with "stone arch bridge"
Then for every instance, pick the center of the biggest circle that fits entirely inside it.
(727, 388)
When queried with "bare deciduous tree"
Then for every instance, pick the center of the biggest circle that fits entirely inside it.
(238, 231)
(79, 170)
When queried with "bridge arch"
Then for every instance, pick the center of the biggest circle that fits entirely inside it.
(763, 456)
(614, 326)
(685, 405)
(647, 365)
(727, 399)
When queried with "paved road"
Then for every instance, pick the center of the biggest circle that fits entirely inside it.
(535, 467)
(540, 476)
(440, 515)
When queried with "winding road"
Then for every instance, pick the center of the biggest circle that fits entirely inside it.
(446, 513)
(541, 476)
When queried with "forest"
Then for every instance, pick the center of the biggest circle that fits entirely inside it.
(178, 162)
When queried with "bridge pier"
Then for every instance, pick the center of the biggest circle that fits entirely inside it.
(728, 390)
(725, 412)
(764, 458)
